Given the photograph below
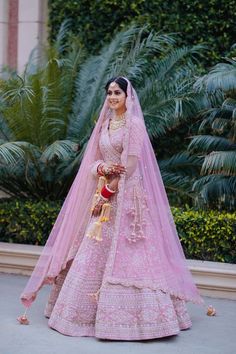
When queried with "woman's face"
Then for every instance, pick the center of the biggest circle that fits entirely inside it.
(116, 97)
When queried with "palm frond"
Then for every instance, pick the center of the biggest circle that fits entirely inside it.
(220, 162)
(177, 60)
(182, 163)
(209, 143)
(178, 184)
(180, 172)
(5, 132)
(229, 104)
(60, 44)
(61, 150)
(221, 77)
(216, 190)
(170, 112)
(134, 59)
(10, 152)
(211, 115)
(19, 93)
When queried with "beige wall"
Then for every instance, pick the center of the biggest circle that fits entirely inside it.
(30, 31)
(32, 24)
(3, 31)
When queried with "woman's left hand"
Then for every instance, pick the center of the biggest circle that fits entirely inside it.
(98, 208)
(113, 184)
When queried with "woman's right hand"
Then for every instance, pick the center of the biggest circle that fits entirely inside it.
(111, 169)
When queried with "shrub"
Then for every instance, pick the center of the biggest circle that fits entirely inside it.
(205, 235)
(28, 221)
(197, 21)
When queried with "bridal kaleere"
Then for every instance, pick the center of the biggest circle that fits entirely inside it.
(113, 257)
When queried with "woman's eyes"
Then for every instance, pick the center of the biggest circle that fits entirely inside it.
(115, 92)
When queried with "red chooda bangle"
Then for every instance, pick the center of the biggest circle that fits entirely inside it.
(106, 192)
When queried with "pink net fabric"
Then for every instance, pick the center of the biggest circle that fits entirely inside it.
(68, 230)
(145, 250)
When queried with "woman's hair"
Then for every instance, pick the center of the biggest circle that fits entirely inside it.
(123, 84)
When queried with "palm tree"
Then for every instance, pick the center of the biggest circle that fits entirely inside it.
(216, 142)
(36, 157)
(48, 114)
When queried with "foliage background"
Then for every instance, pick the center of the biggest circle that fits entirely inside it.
(205, 235)
(62, 98)
(196, 21)
(50, 111)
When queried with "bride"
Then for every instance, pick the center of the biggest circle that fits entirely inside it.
(113, 256)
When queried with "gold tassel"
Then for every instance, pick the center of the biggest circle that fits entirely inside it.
(95, 231)
(101, 183)
(105, 213)
(98, 235)
(23, 319)
(94, 201)
(211, 311)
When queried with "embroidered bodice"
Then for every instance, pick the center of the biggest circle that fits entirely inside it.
(111, 144)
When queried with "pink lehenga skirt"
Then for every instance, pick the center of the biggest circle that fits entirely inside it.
(80, 304)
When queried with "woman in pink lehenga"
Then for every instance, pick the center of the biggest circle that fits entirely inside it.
(113, 256)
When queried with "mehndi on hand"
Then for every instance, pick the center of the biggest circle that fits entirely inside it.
(110, 169)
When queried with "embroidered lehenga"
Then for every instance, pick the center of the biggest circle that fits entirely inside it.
(133, 284)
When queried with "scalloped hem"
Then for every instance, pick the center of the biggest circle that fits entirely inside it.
(198, 300)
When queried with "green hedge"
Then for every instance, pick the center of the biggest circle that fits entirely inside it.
(27, 221)
(197, 21)
(206, 235)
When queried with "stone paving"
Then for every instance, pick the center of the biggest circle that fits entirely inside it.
(208, 335)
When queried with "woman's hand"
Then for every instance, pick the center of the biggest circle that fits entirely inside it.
(111, 169)
(98, 207)
(113, 185)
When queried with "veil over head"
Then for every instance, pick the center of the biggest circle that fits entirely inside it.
(69, 228)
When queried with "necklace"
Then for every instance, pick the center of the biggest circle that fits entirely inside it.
(117, 123)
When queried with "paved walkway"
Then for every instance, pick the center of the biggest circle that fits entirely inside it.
(208, 335)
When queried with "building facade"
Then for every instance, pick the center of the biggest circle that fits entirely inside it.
(23, 25)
